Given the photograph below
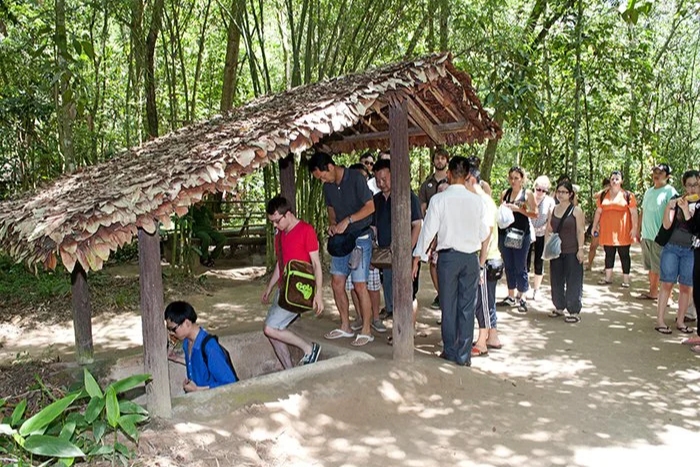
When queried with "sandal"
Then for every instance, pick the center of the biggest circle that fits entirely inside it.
(572, 319)
(625, 285)
(604, 282)
(362, 339)
(477, 352)
(556, 314)
(663, 329)
(337, 334)
(695, 349)
(684, 329)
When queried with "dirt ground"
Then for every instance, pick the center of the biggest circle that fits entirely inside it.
(607, 391)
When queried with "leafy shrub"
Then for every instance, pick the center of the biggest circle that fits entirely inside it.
(68, 429)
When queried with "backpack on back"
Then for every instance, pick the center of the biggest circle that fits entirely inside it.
(205, 341)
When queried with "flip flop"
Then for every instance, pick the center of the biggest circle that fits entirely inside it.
(362, 339)
(477, 352)
(494, 347)
(695, 349)
(556, 314)
(625, 285)
(684, 329)
(604, 282)
(691, 341)
(663, 329)
(646, 296)
(338, 334)
(572, 319)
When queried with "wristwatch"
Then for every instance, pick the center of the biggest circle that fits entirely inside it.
(349, 219)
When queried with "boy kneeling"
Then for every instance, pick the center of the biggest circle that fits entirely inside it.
(208, 363)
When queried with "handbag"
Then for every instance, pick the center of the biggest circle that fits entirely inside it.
(664, 234)
(552, 249)
(494, 269)
(505, 216)
(514, 238)
(298, 285)
(381, 257)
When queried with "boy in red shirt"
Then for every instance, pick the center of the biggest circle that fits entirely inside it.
(294, 239)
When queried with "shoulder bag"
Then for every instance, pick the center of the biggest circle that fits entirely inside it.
(552, 249)
(298, 286)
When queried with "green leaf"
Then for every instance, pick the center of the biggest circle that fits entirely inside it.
(129, 428)
(67, 431)
(6, 429)
(128, 383)
(67, 461)
(2, 403)
(112, 407)
(91, 385)
(98, 430)
(131, 407)
(102, 450)
(88, 49)
(77, 418)
(18, 412)
(50, 446)
(122, 449)
(39, 421)
(94, 409)
(134, 418)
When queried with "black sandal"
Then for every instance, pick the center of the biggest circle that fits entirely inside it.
(572, 319)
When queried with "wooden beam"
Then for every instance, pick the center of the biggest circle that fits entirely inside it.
(401, 257)
(82, 315)
(426, 109)
(424, 122)
(448, 106)
(454, 127)
(155, 357)
(288, 187)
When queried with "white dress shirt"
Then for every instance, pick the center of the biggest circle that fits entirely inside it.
(458, 217)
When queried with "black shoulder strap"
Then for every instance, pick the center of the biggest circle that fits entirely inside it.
(507, 195)
(206, 340)
(563, 218)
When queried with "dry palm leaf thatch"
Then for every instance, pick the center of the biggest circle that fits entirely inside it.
(85, 215)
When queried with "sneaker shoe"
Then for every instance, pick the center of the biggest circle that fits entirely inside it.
(356, 325)
(313, 356)
(436, 303)
(508, 301)
(522, 306)
(378, 326)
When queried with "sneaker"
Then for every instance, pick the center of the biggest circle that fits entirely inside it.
(436, 303)
(356, 325)
(313, 356)
(522, 306)
(508, 301)
(378, 326)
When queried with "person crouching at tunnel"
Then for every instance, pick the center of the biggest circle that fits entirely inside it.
(208, 363)
(294, 240)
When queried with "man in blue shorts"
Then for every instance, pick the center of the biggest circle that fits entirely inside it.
(350, 207)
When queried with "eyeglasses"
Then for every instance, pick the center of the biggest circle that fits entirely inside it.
(691, 185)
(277, 220)
(173, 330)
(369, 163)
(541, 190)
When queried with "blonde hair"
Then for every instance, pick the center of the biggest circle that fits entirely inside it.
(543, 181)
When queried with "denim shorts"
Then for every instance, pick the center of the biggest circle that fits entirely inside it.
(340, 265)
(677, 265)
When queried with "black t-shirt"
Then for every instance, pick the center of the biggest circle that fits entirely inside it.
(382, 216)
(348, 197)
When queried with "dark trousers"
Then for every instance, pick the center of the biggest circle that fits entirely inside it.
(623, 252)
(486, 303)
(567, 283)
(207, 237)
(458, 276)
(535, 252)
(514, 261)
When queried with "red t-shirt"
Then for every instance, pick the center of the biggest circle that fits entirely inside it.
(297, 244)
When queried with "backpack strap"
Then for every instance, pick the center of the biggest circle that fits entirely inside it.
(205, 341)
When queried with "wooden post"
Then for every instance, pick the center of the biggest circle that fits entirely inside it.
(82, 315)
(401, 231)
(287, 181)
(155, 357)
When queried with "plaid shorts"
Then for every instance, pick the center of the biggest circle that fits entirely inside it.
(373, 281)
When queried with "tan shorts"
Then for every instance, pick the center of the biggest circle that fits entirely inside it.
(651, 255)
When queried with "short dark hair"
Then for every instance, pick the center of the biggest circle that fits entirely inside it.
(617, 172)
(475, 162)
(563, 178)
(360, 166)
(278, 204)
(459, 166)
(689, 174)
(382, 164)
(441, 152)
(366, 155)
(319, 161)
(179, 311)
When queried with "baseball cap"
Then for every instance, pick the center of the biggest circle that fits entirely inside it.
(663, 167)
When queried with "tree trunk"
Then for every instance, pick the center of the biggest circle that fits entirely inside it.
(287, 182)
(444, 19)
(150, 77)
(578, 73)
(82, 315)
(233, 43)
(65, 105)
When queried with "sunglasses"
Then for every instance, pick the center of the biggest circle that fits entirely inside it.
(368, 163)
(173, 330)
(541, 190)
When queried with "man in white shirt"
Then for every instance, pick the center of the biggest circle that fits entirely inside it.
(459, 219)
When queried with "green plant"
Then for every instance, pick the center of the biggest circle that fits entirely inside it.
(69, 428)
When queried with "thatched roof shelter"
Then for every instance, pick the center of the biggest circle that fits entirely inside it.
(84, 216)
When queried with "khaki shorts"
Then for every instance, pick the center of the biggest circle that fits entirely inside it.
(651, 255)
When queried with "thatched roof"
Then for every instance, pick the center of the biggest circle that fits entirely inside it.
(85, 215)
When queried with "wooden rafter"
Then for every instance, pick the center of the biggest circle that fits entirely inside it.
(447, 105)
(424, 122)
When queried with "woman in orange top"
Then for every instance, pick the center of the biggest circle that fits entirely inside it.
(616, 224)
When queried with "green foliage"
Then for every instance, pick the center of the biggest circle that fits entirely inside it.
(68, 429)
